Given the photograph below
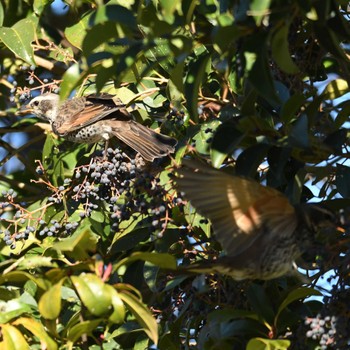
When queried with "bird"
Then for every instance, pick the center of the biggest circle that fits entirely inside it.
(98, 117)
(260, 231)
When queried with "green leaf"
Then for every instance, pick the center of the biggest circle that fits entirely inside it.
(225, 141)
(291, 107)
(114, 13)
(168, 8)
(12, 338)
(97, 37)
(2, 15)
(93, 293)
(249, 160)
(76, 33)
(19, 37)
(79, 244)
(299, 134)
(258, 67)
(261, 303)
(342, 180)
(85, 327)
(195, 76)
(51, 160)
(118, 314)
(98, 216)
(268, 344)
(71, 79)
(336, 88)
(38, 330)
(50, 301)
(142, 315)
(21, 277)
(12, 309)
(280, 50)
(39, 6)
(329, 40)
(296, 294)
(203, 137)
(163, 260)
(259, 9)
(32, 262)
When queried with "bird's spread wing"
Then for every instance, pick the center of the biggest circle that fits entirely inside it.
(241, 210)
(83, 111)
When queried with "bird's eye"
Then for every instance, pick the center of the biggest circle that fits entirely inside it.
(36, 103)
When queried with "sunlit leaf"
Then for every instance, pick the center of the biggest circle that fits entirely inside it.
(50, 301)
(19, 37)
(12, 338)
(142, 315)
(38, 330)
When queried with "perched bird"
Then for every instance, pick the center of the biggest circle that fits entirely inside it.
(260, 231)
(97, 118)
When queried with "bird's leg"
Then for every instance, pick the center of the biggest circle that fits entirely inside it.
(105, 153)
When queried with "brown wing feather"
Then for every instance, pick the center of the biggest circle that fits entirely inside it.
(80, 112)
(145, 141)
(239, 209)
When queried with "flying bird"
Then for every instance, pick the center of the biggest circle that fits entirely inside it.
(97, 118)
(260, 231)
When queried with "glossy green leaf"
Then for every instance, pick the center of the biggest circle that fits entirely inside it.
(76, 33)
(193, 81)
(261, 303)
(343, 180)
(204, 136)
(226, 139)
(39, 6)
(71, 79)
(294, 295)
(93, 293)
(249, 160)
(33, 262)
(12, 338)
(299, 134)
(118, 314)
(96, 38)
(114, 13)
(19, 37)
(280, 50)
(259, 9)
(142, 315)
(1, 15)
(336, 88)
(85, 327)
(38, 330)
(291, 107)
(163, 260)
(258, 68)
(12, 309)
(20, 277)
(79, 244)
(50, 301)
(268, 344)
(329, 40)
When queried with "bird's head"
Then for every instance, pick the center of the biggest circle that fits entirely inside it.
(44, 107)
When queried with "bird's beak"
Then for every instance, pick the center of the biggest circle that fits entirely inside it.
(24, 110)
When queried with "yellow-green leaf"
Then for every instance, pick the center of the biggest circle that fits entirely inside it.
(93, 293)
(12, 338)
(39, 331)
(142, 315)
(50, 301)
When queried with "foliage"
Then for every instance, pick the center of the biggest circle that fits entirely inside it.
(91, 239)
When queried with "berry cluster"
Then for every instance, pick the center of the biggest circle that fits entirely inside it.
(322, 329)
(112, 183)
(34, 81)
